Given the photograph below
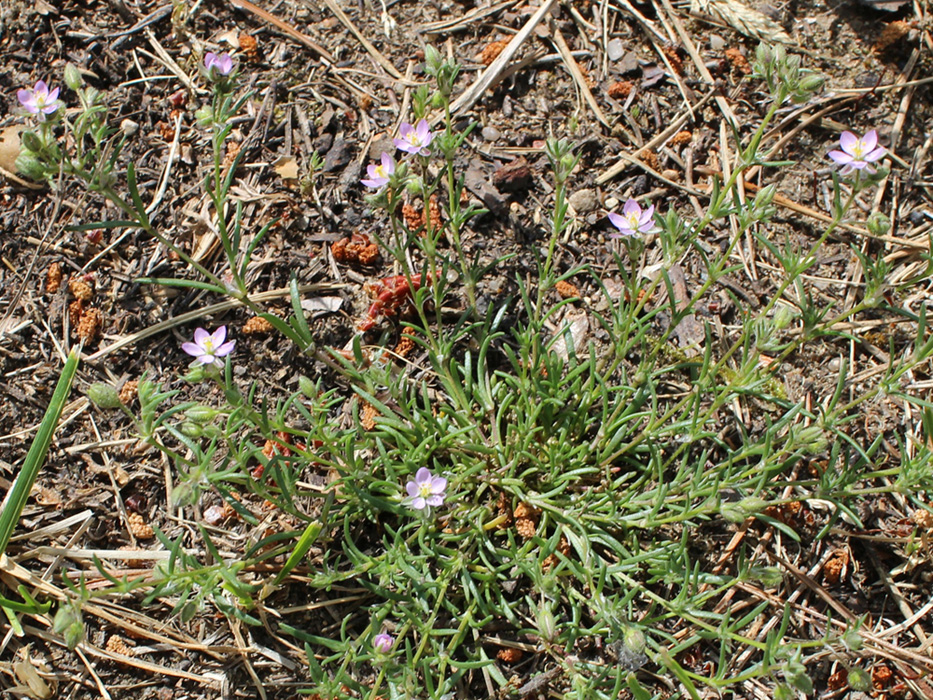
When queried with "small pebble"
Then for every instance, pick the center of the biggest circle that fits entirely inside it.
(611, 203)
(584, 201)
(716, 43)
(490, 133)
(615, 49)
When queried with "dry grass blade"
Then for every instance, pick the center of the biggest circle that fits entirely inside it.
(288, 29)
(199, 313)
(467, 21)
(675, 126)
(577, 74)
(370, 49)
(493, 73)
(743, 19)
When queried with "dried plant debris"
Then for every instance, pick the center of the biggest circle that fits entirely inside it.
(743, 19)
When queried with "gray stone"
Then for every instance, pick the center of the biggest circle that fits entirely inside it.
(584, 201)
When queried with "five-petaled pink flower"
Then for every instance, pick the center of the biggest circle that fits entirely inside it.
(379, 175)
(426, 490)
(222, 63)
(383, 643)
(208, 348)
(633, 221)
(415, 139)
(40, 100)
(858, 153)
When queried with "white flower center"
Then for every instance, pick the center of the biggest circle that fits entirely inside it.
(380, 171)
(208, 346)
(858, 150)
(413, 138)
(424, 489)
(633, 220)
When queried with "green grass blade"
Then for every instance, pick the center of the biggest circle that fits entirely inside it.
(18, 494)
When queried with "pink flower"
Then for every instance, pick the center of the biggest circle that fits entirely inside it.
(208, 348)
(415, 139)
(222, 63)
(858, 153)
(40, 100)
(383, 643)
(379, 175)
(426, 490)
(633, 221)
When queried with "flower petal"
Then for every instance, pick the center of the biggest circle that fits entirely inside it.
(422, 476)
(419, 503)
(435, 499)
(621, 223)
(877, 154)
(388, 164)
(647, 217)
(848, 141)
(192, 349)
(53, 95)
(225, 349)
(870, 140)
(439, 484)
(631, 207)
(840, 157)
(412, 488)
(218, 336)
(41, 88)
(200, 335)
(207, 360)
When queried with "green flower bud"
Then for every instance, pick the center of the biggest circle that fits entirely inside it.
(763, 54)
(801, 681)
(432, 60)
(783, 317)
(859, 680)
(746, 508)
(29, 166)
(634, 640)
(547, 626)
(810, 439)
(765, 196)
(204, 116)
(69, 624)
(852, 639)
(104, 395)
(73, 77)
(767, 576)
(307, 387)
(414, 185)
(202, 414)
(183, 494)
(31, 141)
(191, 429)
(878, 224)
(812, 82)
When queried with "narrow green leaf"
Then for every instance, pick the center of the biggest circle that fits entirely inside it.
(18, 494)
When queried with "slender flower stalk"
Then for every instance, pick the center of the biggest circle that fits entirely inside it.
(209, 348)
